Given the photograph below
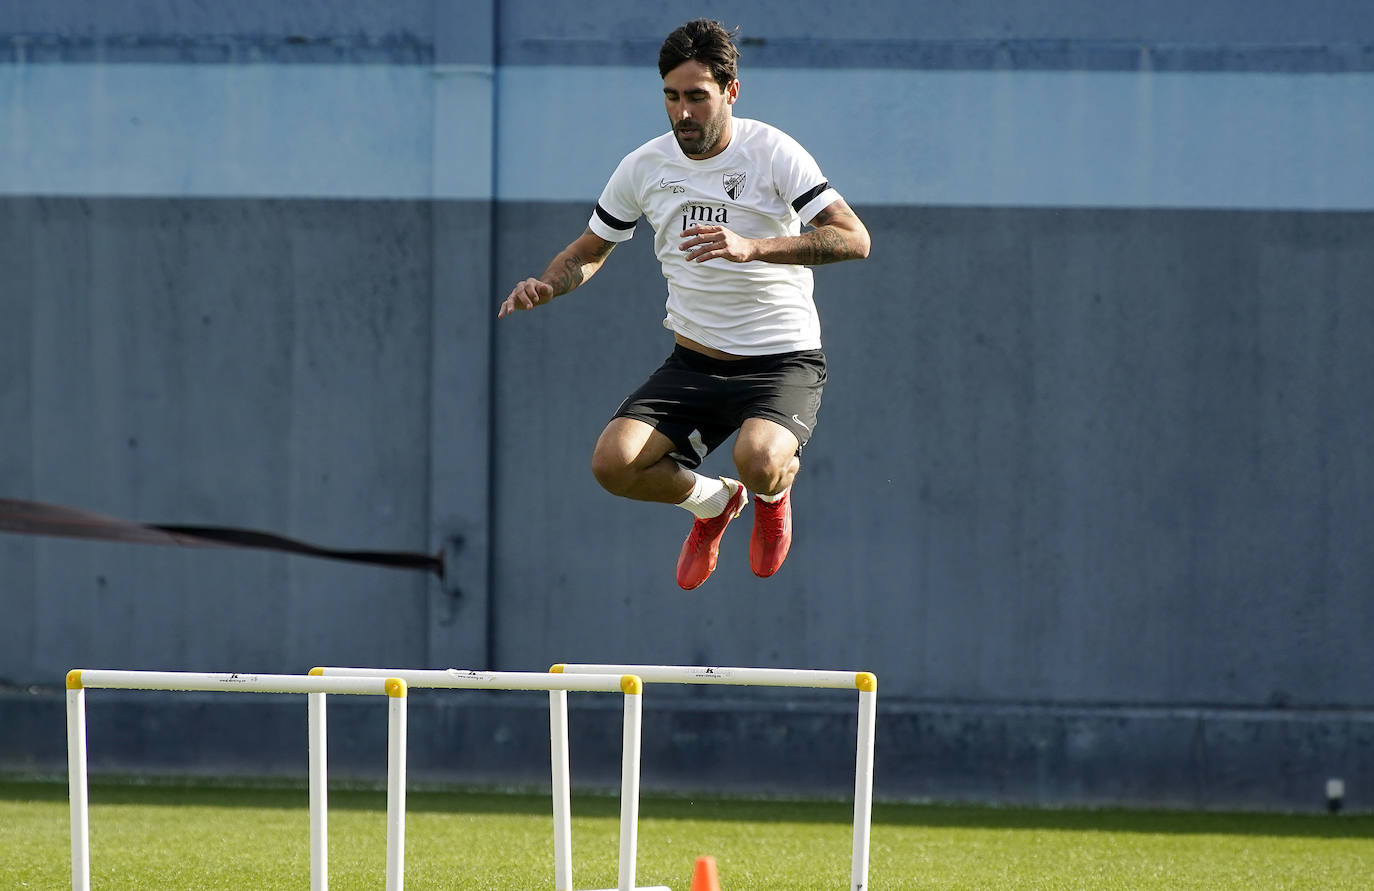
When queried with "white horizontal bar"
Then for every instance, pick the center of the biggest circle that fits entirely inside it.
(225, 683)
(463, 679)
(753, 677)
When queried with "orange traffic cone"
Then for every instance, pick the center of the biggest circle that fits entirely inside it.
(704, 875)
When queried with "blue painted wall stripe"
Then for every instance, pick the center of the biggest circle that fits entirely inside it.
(1023, 139)
(891, 137)
(348, 131)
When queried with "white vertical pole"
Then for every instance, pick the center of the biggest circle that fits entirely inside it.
(863, 784)
(319, 792)
(396, 786)
(629, 781)
(76, 782)
(562, 794)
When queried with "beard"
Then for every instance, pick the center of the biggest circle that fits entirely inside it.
(702, 137)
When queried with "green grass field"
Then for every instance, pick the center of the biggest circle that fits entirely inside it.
(163, 837)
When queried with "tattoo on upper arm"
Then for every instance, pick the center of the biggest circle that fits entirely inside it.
(601, 248)
(832, 213)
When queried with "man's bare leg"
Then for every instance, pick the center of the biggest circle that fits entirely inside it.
(631, 459)
(766, 455)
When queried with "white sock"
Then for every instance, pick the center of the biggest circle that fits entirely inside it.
(772, 499)
(709, 497)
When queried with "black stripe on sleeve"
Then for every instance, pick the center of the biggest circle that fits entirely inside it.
(612, 221)
(806, 197)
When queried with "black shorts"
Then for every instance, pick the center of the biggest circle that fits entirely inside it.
(698, 402)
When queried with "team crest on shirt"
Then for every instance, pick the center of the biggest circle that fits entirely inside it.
(734, 184)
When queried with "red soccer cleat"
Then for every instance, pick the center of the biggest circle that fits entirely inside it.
(772, 535)
(699, 551)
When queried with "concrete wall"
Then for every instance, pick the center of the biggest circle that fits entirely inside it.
(1090, 490)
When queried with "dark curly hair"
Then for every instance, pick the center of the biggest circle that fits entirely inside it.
(705, 41)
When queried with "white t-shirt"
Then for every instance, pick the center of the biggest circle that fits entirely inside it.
(763, 185)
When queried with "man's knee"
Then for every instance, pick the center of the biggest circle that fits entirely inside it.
(766, 456)
(766, 471)
(612, 469)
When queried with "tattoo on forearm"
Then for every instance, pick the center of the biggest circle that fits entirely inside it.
(569, 277)
(824, 245)
(571, 271)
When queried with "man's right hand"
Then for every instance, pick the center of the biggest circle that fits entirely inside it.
(527, 294)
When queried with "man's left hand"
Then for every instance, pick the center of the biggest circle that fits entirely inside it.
(715, 243)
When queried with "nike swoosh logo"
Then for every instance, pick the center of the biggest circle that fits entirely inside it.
(665, 183)
(802, 423)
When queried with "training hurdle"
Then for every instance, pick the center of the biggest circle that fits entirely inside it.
(865, 682)
(80, 680)
(558, 686)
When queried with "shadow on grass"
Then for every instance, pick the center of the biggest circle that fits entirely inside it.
(274, 794)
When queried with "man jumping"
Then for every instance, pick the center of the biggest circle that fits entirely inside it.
(726, 198)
